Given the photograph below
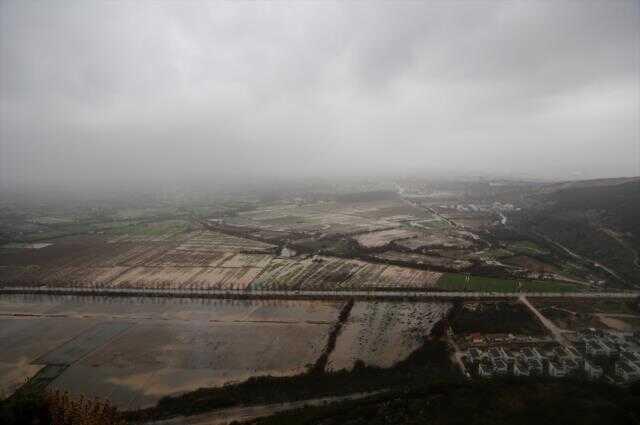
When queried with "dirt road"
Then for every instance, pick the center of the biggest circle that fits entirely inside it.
(555, 331)
(580, 257)
(226, 416)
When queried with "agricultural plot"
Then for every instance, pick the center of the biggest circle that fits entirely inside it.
(153, 361)
(384, 237)
(248, 260)
(502, 317)
(575, 314)
(129, 254)
(206, 241)
(384, 333)
(329, 218)
(223, 278)
(399, 277)
(527, 247)
(180, 257)
(67, 276)
(395, 210)
(473, 220)
(436, 240)
(150, 232)
(14, 375)
(83, 344)
(16, 245)
(383, 276)
(23, 340)
(530, 263)
(425, 260)
(153, 277)
(432, 223)
(284, 274)
(459, 282)
(329, 273)
(135, 351)
(366, 277)
(85, 252)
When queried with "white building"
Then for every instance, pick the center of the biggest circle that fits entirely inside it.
(627, 371)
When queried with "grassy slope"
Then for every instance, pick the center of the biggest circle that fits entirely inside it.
(574, 217)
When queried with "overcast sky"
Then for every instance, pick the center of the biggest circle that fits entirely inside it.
(110, 92)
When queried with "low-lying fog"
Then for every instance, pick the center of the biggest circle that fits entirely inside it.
(107, 94)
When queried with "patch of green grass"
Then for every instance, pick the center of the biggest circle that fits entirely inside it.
(458, 282)
(527, 247)
(287, 219)
(434, 223)
(152, 229)
(499, 253)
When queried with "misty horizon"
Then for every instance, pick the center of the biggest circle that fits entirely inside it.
(110, 94)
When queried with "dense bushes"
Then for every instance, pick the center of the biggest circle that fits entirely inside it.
(430, 363)
(501, 402)
(36, 407)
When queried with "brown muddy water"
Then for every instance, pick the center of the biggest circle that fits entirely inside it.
(134, 351)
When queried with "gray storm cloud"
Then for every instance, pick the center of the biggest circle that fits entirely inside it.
(112, 92)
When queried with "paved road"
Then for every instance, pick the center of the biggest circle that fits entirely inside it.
(271, 294)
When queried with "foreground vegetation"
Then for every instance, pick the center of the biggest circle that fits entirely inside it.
(430, 363)
(32, 405)
(509, 402)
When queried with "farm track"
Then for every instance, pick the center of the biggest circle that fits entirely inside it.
(246, 413)
(551, 327)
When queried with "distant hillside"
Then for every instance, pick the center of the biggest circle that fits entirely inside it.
(578, 184)
(597, 219)
(619, 203)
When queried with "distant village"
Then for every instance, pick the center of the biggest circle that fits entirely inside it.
(595, 354)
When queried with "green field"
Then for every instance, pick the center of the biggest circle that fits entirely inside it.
(457, 282)
(162, 228)
(527, 247)
(433, 223)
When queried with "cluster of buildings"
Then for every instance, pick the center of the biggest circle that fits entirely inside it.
(619, 348)
(530, 361)
(597, 354)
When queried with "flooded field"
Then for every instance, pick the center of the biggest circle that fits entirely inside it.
(384, 333)
(134, 351)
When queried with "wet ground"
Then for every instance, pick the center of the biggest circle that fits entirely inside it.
(135, 351)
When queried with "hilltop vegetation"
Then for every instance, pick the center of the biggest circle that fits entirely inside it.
(598, 221)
